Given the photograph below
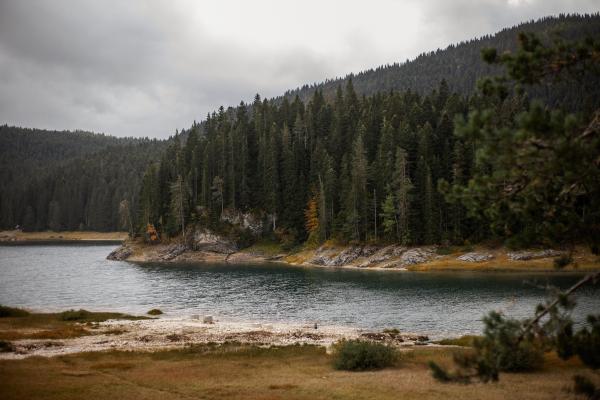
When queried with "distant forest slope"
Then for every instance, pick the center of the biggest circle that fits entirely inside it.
(461, 64)
(69, 180)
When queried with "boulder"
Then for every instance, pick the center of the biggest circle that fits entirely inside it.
(417, 255)
(247, 220)
(532, 255)
(121, 253)
(346, 256)
(323, 256)
(383, 255)
(475, 257)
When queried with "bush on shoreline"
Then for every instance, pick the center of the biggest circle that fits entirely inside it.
(358, 355)
(6, 312)
(155, 311)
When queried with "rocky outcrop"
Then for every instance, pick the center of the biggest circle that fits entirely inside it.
(417, 255)
(475, 257)
(205, 240)
(382, 255)
(368, 256)
(172, 252)
(121, 253)
(334, 258)
(323, 256)
(350, 254)
(249, 221)
(532, 255)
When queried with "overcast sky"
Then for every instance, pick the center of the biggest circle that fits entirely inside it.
(145, 68)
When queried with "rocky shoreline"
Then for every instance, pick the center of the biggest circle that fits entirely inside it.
(208, 247)
(173, 333)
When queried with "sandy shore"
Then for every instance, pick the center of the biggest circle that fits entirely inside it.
(67, 236)
(171, 333)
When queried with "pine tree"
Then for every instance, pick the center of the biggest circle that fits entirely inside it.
(358, 201)
(218, 195)
(403, 188)
(390, 216)
(179, 198)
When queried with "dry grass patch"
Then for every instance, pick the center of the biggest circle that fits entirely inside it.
(583, 258)
(67, 325)
(235, 371)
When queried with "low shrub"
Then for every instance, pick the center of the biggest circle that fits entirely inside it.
(584, 386)
(463, 341)
(75, 315)
(6, 312)
(6, 347)
(155, 311)
(562, 261)
(503, 347)
(88, 316)
(358, 355)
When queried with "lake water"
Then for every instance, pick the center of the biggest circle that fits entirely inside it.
(53, 278)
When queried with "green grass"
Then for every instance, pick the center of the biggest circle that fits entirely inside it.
(6, 312)
(463, 341)
(65, 325)
(265, 247)
(88, 316)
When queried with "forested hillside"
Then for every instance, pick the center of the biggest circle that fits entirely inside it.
(362, 168)
(351, 162)
(69, 180)
(461, 64)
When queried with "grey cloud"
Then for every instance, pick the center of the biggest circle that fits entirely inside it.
(145, 68)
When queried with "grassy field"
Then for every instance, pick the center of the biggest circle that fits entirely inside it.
(244, 372)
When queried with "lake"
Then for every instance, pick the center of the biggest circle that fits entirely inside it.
(55, 278)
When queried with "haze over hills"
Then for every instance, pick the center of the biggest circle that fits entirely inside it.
(88, 175)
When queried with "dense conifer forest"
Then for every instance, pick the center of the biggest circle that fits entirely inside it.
(461, 64)
(69, 180)
(366, 168)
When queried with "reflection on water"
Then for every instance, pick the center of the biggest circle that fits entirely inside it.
(60, 277)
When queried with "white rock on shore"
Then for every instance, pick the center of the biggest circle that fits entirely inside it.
(475, 257)
(532, 255)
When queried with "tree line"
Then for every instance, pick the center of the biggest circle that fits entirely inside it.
(358, 168)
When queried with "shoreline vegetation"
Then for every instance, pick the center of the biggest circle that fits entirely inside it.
(364, 257)
(111, 354)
